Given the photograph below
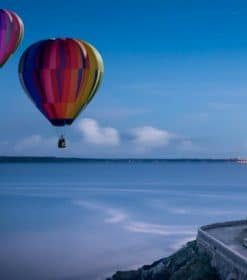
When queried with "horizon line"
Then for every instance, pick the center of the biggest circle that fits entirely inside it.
(4, 158)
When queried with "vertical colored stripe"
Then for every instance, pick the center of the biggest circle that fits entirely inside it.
(61, 77)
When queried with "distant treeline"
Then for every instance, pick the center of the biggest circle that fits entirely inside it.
(14, 159)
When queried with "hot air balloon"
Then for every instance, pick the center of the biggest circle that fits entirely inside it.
(61, 77)
(11, 34)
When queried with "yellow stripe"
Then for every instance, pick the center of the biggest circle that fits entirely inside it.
(89, 85)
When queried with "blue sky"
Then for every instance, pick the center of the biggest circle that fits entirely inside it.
(174, 85)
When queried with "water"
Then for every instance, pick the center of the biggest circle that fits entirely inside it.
(87, 220)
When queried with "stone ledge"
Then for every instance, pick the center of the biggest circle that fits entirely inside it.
(226, 260)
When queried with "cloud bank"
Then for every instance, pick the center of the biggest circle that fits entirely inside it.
(90, 138)
(148, 137)
(93, 133)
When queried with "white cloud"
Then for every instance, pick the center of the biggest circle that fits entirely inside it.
(29, 142)
(188, 145)
(148, 137)
(106, 142)
(94, 134)
(35, 143)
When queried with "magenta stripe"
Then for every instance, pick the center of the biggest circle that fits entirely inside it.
(11, 32)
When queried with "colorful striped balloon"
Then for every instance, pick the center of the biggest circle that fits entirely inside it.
(61, 76)
(11, 34)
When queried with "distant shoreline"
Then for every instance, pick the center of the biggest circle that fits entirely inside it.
(40, 159)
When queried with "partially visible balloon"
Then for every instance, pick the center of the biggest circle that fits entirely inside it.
(11, 34)
(61, 76)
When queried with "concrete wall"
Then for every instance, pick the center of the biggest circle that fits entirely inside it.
(229, 263)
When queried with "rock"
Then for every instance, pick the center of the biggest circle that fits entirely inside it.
(186, 264)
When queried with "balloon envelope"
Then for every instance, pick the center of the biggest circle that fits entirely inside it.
(11, 34)
(61, 76)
